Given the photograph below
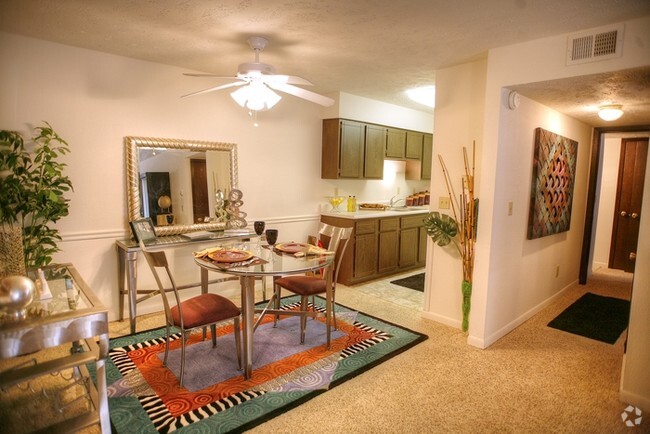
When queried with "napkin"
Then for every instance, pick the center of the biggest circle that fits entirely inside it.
(205, 252)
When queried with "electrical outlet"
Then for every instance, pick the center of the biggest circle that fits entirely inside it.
(443, 203)
(509, 208)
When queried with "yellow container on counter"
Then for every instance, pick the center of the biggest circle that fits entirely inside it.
(352, 203)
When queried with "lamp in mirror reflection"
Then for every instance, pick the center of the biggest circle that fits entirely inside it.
(165, 202)
(610, 112)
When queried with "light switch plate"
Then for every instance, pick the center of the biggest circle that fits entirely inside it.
(443, 203)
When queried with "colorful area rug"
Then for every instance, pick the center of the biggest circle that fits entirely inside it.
(145, 396)
(415, 282)
(595, 317)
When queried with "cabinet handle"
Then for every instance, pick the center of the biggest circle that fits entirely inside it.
(623, 214)
(634, 215)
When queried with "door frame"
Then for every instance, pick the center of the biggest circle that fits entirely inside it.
(594, 169)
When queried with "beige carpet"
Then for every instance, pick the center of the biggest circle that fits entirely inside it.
(534, 380)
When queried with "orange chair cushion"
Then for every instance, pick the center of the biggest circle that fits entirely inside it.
(303, 285)
(205, 309)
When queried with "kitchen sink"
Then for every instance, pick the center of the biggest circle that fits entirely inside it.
(407, 208)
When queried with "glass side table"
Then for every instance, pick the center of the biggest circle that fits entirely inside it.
(74, 316)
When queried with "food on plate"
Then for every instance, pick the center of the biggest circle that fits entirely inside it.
(230, 255)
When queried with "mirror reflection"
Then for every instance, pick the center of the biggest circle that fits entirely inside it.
(178, 183)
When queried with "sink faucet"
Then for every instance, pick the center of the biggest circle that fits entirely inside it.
(395, 200)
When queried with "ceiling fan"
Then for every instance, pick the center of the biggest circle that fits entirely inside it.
(257, 82)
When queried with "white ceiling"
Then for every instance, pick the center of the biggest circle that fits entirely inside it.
(371, 48)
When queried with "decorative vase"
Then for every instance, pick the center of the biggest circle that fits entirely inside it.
(467, 303)
(12, 255)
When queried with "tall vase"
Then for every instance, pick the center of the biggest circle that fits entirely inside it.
(467, 303)
(12, 255)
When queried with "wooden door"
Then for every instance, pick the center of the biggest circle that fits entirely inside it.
(388, 245)
(414, 145)
(395, 143)
(351, 164)
(629, 193)
(200, 202)
(408, 247)
(427, 155)
(374, 152)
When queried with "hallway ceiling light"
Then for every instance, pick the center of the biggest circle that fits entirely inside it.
(610, 112)
(425, 95)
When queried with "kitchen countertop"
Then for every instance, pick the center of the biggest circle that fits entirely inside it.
(358, 215)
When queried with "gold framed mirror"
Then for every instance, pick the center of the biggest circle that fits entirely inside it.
(177, 182)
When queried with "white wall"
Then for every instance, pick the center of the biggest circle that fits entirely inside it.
(606, 199)
(635, 381)
(460, 97)
(93, 100)
(513, 277)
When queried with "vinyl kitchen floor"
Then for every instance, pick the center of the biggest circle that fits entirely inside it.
(396, 294)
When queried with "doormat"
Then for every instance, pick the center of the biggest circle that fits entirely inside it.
(415, 282)
(145, 396)
(595, 317)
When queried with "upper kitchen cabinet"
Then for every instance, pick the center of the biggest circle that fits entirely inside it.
(343, 149)
(395, 143)
(427, 155)
(375, 142)
(421, 168)
(414, 145)
(352, 150)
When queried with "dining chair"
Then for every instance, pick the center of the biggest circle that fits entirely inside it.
(334, 239)
(197, 312)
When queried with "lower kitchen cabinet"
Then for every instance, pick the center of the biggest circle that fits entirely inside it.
(380, 247)
(364, 246)
(388, 260)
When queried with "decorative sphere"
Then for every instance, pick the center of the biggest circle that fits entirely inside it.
(16, 293)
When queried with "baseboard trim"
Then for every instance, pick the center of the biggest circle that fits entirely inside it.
(637, 400)
(451, 322)
(521, 319)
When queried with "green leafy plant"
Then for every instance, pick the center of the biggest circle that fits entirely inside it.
(460, 229)
(32, 190)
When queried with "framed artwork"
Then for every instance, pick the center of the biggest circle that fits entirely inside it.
(143, 230)
(554, 168)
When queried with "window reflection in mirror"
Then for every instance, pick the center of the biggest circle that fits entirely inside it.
(175, 182)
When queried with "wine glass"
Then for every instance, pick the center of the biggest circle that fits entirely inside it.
(271, 236)
(335, 201)
(259, 227)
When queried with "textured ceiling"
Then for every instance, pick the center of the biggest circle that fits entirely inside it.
(371, 48)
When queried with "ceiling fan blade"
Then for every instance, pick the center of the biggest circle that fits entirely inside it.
(302, 93)
(190, 74)
(286, 79)
(212, 89)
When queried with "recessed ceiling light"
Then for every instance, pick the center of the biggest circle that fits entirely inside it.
(610, 112)
(425, 95)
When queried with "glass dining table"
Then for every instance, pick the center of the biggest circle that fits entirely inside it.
(267, 261)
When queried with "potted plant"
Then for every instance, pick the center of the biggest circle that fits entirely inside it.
(32, 191)
(459, 229)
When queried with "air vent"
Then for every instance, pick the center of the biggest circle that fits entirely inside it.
(595, 45)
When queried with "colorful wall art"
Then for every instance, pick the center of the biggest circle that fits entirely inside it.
(554, 168)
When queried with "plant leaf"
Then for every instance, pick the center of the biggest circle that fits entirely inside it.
(441, 228)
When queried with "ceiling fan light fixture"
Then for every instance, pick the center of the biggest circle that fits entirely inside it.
(255, 96)
(610, 112)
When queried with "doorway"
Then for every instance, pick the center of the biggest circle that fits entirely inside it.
(595, 211)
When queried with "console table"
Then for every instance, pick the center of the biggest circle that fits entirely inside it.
(74, 316)
(127, 256)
